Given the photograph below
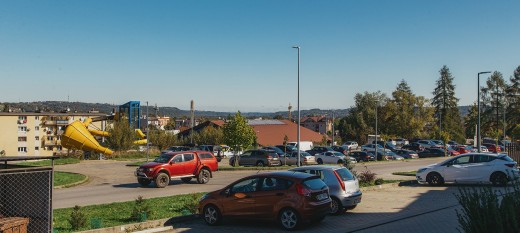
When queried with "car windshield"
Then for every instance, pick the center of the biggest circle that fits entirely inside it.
(163, 158)
(390, 153)
(345, 174)
(337, 153)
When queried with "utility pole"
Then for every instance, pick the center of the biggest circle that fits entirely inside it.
(192, 109)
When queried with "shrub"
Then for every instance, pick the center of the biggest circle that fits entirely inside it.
(484, 211)
(187, 204)
(141, 210)
(77, 218)
(366, 176)
(378, 181)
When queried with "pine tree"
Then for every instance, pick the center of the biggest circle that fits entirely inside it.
(446, 105)
(494, 102)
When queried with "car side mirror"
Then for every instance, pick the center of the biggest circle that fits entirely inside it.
(227, 192)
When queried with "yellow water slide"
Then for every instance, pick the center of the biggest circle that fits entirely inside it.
(78, 136)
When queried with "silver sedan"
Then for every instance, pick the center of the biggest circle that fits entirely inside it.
(292, 158)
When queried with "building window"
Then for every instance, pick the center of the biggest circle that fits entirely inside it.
(36, 128)
(37, 138)
(22, 139)
(36, 148)
(37, 117)
(22, 128)
(22, 118)
(22, 149)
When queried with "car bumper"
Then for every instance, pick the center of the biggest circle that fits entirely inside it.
(420, 179)
(316, 210)
(274, 163)
(351, 200)
(141, 175)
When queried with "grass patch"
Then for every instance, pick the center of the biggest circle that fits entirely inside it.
(116, 214)
(47, 162)
(410, 173)
(123, 156)
(364, 184)
(67, 178)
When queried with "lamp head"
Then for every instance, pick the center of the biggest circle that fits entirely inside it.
(296, 47)
(485, 72)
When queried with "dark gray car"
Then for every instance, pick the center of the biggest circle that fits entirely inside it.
(343, 185)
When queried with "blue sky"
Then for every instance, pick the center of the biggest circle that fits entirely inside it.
(237, 55)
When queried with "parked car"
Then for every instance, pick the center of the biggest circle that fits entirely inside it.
(180, 164)
(175, 148)
(258, 158)
(431, 152)
(401, 142)
(292, 159)
(492, 147)
(371, 147)
(413, 146)
(361, 156)
(439, 143)
(287, 148)
(351, 145)
(278, 151)
(390, 155)
(407, 154)
(304, 145)
(288, 197)
(343, 186)
(451, 151)
(427, 144)
(332, 157)
(497, 169)
(463, 149)
(319, 149)
(342, 149)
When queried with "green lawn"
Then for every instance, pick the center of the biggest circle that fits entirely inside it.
(47, 162)
(67, 178)
(116, 214)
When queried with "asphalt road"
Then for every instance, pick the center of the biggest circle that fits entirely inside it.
(113, 181)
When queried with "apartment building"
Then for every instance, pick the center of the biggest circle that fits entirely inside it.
(38, 134)
(320, 124)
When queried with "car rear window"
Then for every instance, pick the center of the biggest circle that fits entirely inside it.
(314, 183)
(345, 174)
(206, 156)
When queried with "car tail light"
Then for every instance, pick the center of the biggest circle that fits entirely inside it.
(269, 157)
(511, 165)
(305, 159)
(340, 180)
(302, 190)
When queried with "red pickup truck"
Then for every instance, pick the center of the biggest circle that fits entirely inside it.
(178, 164)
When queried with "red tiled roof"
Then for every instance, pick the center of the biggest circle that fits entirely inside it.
(313, 119)
(220, 123)
(270, 135)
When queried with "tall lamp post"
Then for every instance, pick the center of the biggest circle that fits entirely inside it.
(376, 145)
(147, 133)
(298, 107)
(478, 107)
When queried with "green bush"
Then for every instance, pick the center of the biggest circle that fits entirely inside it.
(485, 210)
(141, 210)
(379, 181)
(77, 218)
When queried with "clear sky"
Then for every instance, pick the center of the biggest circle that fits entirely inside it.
(237, 55)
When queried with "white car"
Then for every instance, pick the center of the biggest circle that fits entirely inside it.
(351, 145)
(497, 169)
(332, 157)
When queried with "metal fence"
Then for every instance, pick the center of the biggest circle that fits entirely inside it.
(27, 192)
(513, 150)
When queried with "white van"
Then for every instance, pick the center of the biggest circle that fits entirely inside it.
(304, 145)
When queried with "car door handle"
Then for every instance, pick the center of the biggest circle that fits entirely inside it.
(279, 194)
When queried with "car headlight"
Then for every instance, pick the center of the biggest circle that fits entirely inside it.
(421, 170)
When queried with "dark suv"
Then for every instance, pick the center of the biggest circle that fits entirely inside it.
(257, 158)
(319, 149)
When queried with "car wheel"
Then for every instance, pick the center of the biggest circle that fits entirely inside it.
(260, 164)
(186, 179)
(434, 179)
(340, 161)
(212, 215)
(335, 206)
(162, 180)
(144, 182)
(203, 176)
(289, 219)
(498, 179)
(320, 161)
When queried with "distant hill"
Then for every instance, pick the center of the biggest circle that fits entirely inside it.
(63, 106)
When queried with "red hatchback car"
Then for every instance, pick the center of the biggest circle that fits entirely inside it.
(492, 147)
(291, 198)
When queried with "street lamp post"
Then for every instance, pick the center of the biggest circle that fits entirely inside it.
(147, 133)
(298, 107)
(478, 107)
(375, 145)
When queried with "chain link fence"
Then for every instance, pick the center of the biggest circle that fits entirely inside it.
(27, 192)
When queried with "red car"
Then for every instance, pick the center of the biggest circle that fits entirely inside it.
(178, 164)
(453, 152)
(492, 147)
(462, 149)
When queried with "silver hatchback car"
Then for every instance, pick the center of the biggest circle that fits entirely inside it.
(343, 185)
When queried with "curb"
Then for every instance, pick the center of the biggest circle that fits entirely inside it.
(146, 227)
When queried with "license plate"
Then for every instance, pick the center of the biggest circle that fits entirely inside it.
(322, 196)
